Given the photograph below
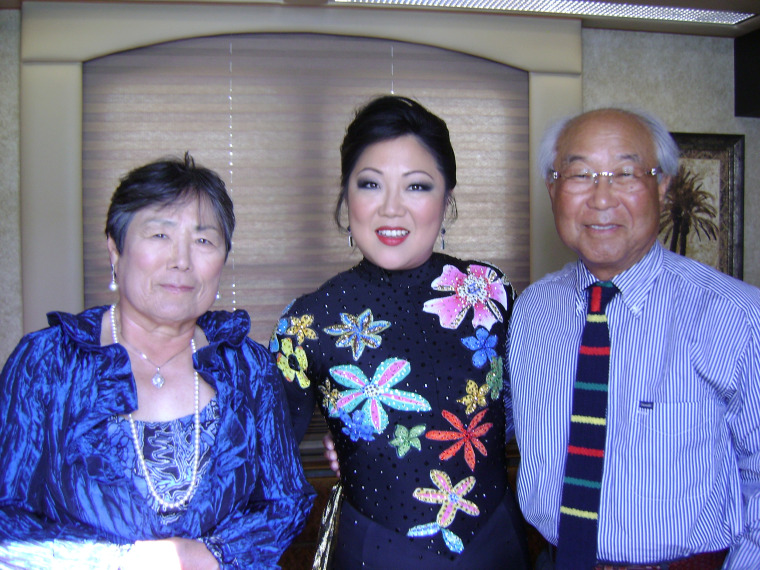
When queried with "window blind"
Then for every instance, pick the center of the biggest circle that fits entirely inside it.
(268, 113)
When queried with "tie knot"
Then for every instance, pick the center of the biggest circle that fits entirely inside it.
(600, 294)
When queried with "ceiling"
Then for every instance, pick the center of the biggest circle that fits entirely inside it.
(750, 6)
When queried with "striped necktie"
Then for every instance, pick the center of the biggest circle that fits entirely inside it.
(585, 451)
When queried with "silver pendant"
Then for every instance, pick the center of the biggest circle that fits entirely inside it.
(158, 380)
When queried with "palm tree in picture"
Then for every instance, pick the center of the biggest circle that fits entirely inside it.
(687, 206)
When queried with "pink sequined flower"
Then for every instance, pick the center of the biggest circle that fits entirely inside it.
(480, 289)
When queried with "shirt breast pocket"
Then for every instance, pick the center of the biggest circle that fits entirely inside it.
(674, 451)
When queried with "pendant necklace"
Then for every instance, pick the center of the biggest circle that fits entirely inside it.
(182, 501)
(158, 380)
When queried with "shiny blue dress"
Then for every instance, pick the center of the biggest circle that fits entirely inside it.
(67, 465)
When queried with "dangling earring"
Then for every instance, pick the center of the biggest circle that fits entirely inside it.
(350, 237)
(113, 286)
(443, 241)
(218, 295)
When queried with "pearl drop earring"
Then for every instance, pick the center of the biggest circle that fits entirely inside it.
(113, 286)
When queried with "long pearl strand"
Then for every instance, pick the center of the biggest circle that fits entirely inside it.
(168, 505)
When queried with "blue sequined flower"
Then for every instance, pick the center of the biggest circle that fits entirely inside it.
(274, 342)
(355, 426)
(483, 345)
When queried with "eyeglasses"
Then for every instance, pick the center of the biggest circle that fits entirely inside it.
(580, 179)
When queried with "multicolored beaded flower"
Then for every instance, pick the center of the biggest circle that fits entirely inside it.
(293, 363)
(451, 498)
(274, 341)
(466, 437)
(358, 332)
(330, 397)
(377, 392)
(282, 325)
(479, 290)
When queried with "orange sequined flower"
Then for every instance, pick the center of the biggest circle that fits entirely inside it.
(467, 438)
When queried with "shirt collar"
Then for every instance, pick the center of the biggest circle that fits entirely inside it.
(634, 283)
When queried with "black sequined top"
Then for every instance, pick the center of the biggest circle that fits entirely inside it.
(407, 368)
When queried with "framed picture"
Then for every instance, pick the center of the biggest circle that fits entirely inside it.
(703, 217)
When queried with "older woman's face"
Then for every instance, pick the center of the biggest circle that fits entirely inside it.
(396, 201)
(169, 269)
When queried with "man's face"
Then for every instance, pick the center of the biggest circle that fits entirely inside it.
(610, 227)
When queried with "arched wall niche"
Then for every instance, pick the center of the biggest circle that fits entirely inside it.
(57, 37)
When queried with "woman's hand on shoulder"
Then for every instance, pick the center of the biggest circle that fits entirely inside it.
(169, 554)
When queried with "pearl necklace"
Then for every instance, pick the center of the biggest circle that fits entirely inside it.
(168, 505)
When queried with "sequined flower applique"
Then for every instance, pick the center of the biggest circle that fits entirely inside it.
(466, 437)
(475, 398)
(451, 498)
(330, 398)
(483, 346)
(480, 289)
(274, 342)
(358, 332)
(299, 328)
(377, 392)
(356, 426)
(293, 363)
(405, 439)
(282, 325)
(495, 377)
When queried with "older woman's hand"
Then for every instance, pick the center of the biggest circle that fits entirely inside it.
(330, 454)
(170, 554)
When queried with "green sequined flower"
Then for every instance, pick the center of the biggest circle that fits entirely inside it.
(407, 438)
(495, 377)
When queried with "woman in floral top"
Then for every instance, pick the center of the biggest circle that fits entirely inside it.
(404, 355)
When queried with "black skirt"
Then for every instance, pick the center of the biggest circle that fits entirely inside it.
(361, 543)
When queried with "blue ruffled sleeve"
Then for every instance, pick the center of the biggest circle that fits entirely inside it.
(24, 391)
(257, 535)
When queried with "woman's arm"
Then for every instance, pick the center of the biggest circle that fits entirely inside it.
(24, 389)
(256, 535)
(170, 554)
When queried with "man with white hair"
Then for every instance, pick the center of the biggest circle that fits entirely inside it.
(635, 372)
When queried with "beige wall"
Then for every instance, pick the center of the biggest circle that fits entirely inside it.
(688, 80)
(10, 261)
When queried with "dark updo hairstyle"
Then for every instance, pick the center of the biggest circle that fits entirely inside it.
(389, 117)
(163, 183)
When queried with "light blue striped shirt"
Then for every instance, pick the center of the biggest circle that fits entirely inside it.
(682, 465)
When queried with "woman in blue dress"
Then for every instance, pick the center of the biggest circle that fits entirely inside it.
(404, 356)
(151, 433)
